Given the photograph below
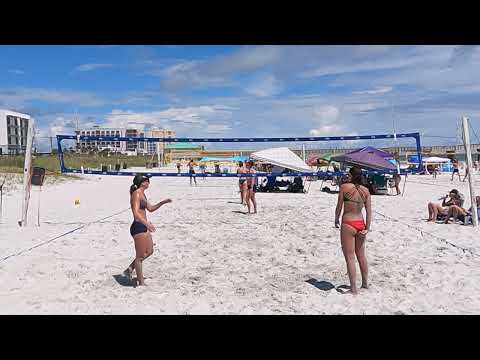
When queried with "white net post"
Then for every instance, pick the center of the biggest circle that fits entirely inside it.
(471, 180)
(27, 169)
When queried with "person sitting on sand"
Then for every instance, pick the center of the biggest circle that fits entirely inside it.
(434, 210)
(251, 187)
(353, 197)
(457, 212)
(141, 228)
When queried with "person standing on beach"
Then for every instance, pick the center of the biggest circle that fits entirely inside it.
(191, 171)
(203, 170)
(242, 183)
(466, 173)
(434, 171)
(251, 187)
(397, 179)
(353, 197)
(455, 169)
(179, 167)
(141, 228)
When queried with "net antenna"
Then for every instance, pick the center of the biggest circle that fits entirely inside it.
(471, 179)
(1, 197)
(27, 173)
(264, 140)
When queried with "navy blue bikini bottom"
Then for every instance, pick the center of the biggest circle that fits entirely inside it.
(137, 228)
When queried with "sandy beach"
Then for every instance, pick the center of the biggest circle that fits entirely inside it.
(211, 259)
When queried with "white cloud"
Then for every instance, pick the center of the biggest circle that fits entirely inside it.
(16, 71)
(265, 86)
(193, 119)
(326, 114)
(326, 130)
(218, 128)
(219, 70)
(382, 90)
(90, 67)
(18, 97)
(327, 118)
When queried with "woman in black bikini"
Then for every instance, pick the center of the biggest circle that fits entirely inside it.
(141, 228)
(353, 197)
(242, 183)
(251, 187)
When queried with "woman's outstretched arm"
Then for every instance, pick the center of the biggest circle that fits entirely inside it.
(155, 207)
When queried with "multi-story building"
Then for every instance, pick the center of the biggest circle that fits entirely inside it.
(118, 146)
(155, 147)
(13, 132)
(123, 146)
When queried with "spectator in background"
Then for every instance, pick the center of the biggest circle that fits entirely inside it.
(455, 169)
(435, 171)
(436, 210)
(191, 171)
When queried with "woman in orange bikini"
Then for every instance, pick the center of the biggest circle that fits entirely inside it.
(353, 196)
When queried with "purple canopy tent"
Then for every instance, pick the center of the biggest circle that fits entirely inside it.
(370, 160)
(370, 149)
(365, 150)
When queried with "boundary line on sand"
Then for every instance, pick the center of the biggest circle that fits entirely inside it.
(59, 236)
(473, 253)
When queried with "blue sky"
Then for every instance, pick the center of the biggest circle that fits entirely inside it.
(246, 90)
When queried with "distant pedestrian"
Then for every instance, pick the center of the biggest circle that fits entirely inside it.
(455, 169)
(191, 171)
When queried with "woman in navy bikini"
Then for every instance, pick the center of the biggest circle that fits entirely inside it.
(141, 228)
(353, 197)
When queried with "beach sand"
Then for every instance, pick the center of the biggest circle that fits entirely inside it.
(211, 259)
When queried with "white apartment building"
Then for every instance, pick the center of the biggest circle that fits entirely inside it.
(124, 147)
(13, 132)
(101, 145)
(155, 148)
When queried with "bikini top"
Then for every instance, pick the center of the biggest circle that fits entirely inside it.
(143, 203)
(345, 198)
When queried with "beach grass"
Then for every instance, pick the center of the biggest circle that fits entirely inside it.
(14, 164)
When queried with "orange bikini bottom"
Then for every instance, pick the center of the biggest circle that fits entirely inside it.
(358, 225)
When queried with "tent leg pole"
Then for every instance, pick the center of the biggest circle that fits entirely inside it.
(403, 190)
(309, 184)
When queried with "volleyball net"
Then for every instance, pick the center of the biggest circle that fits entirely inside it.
(218, 157)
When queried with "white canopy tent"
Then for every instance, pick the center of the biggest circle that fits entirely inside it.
(435, 160)
(282, 157)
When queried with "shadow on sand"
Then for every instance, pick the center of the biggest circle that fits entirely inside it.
(240, 212)
(322, 285)
(124, 281)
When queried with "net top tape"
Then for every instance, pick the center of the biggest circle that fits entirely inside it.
(261, 139)
(258, 174)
